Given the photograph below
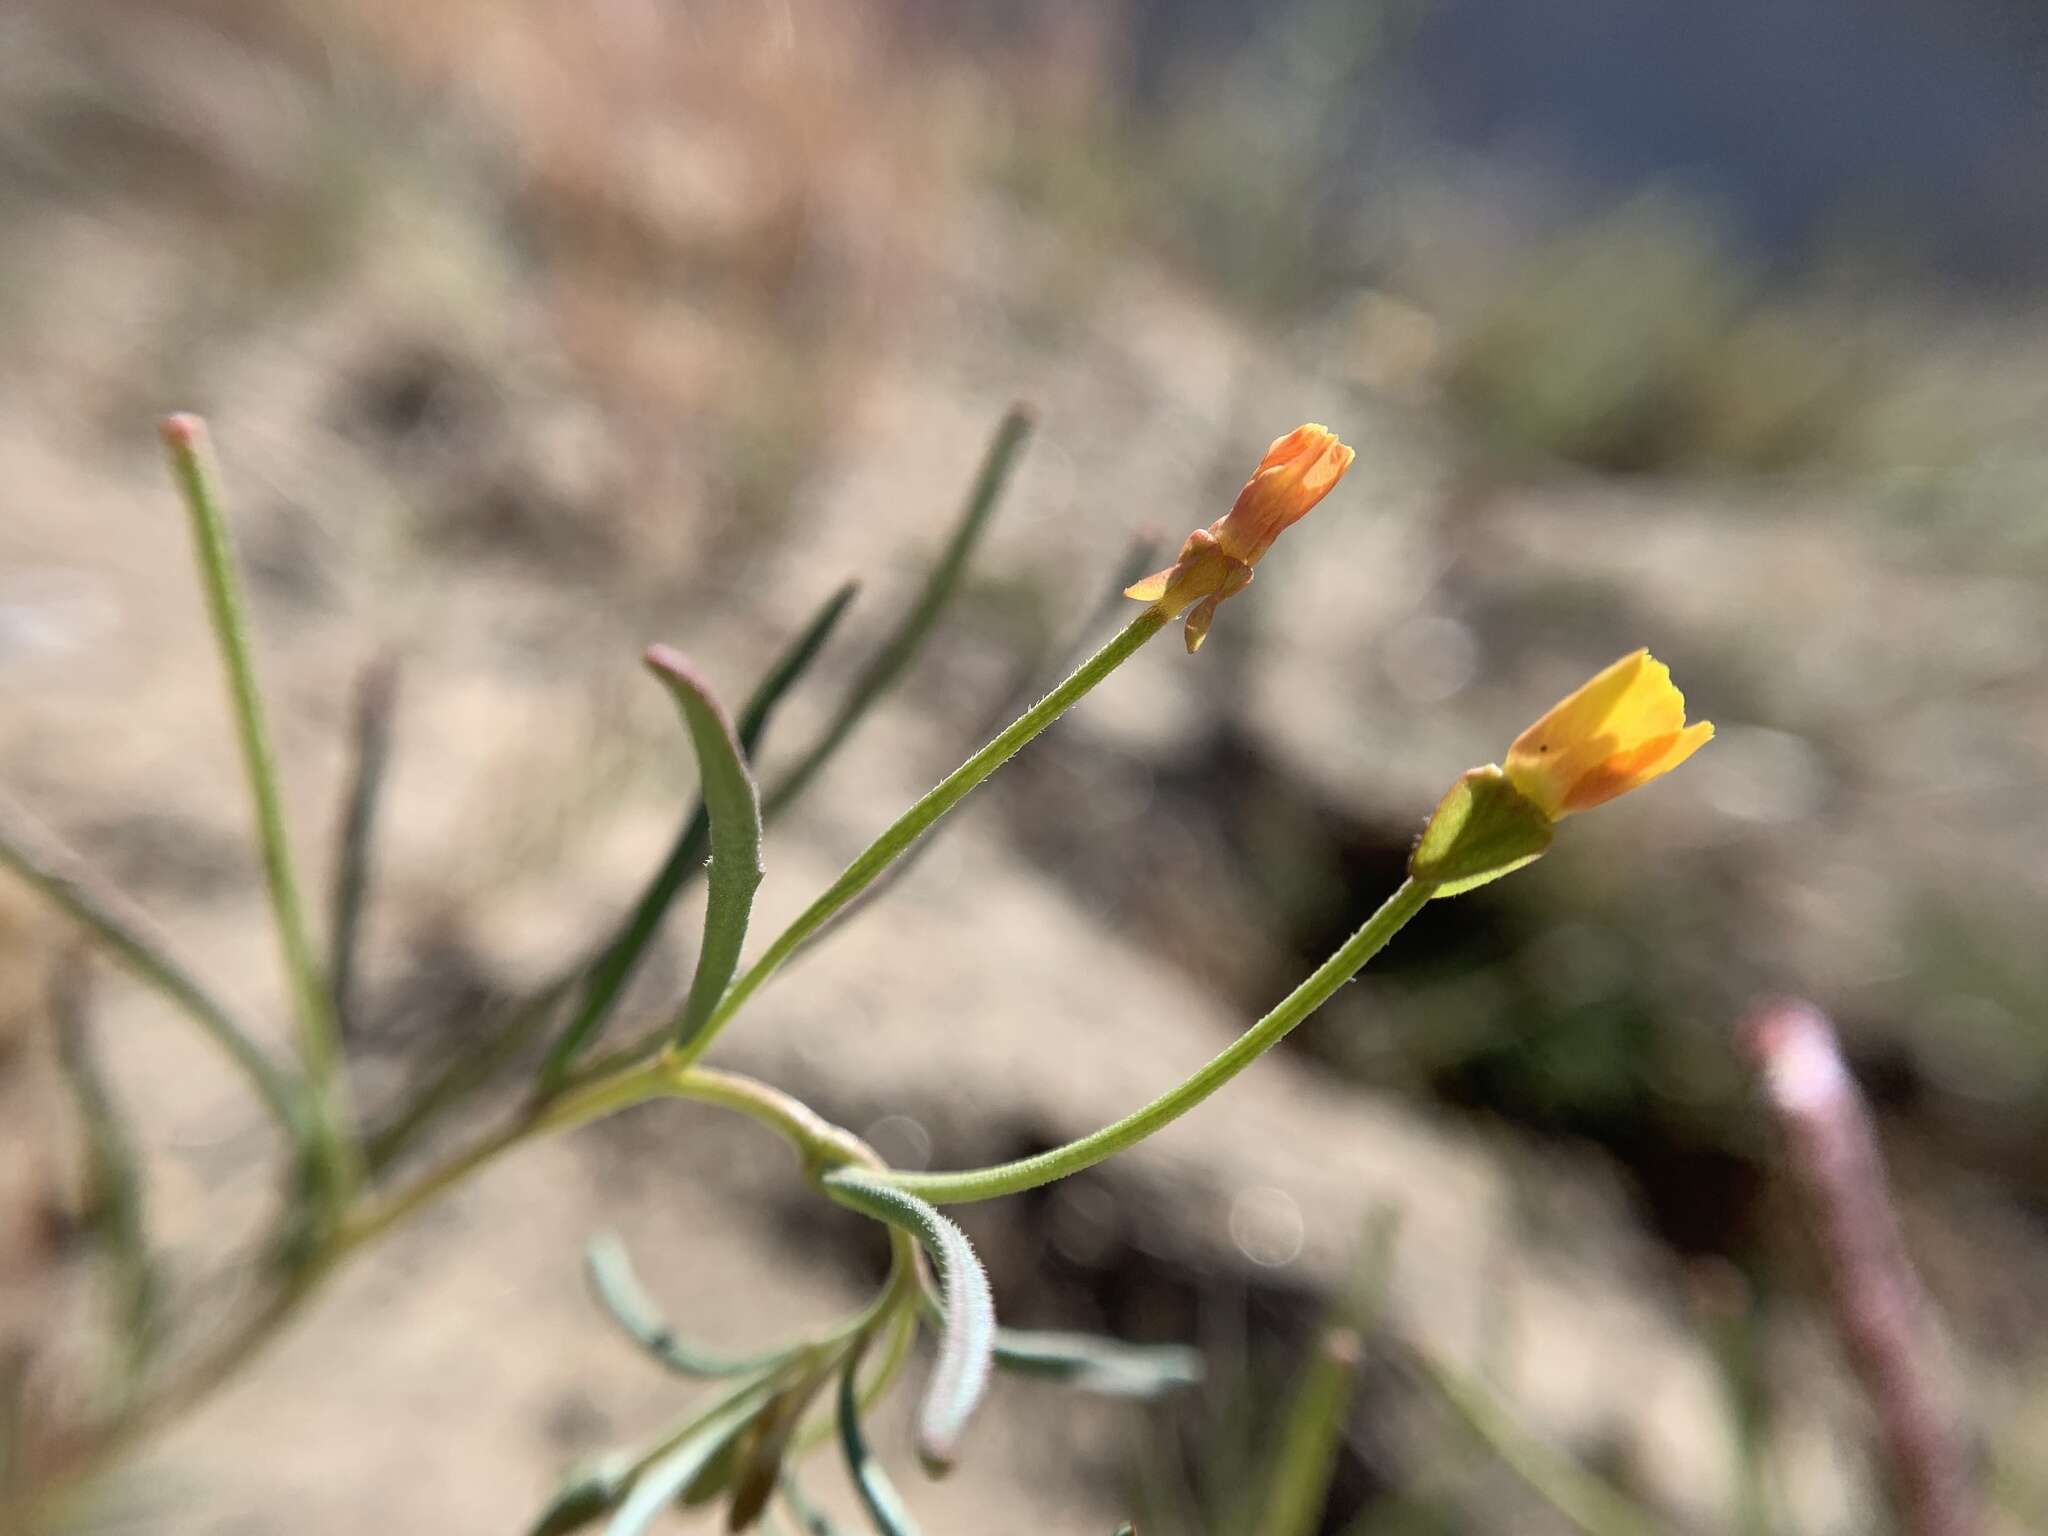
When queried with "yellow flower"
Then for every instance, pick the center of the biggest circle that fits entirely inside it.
(1216, 562)
(1621, 730)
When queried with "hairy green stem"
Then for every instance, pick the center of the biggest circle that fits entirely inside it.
(913, 823)
(1030, 1172)
(185, 442)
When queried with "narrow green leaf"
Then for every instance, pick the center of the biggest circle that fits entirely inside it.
(662, 1481)
(506, 1030)
(878, 1495)
(376, 702)
(967, 1310)
(609, 1269)
(812, 1519)
(1588, 1501)
(735, 807)
(585, 1495)
(1106, 1367)
(767, 1442)
(115, 1192)
(715, 1476)
(1312, 1429)
(613, 968)
(330, 1141)
(901, 648)
(128, 935)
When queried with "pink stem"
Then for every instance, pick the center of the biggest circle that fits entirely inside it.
(1879, 1308)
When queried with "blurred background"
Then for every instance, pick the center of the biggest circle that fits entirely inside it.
(536, 330)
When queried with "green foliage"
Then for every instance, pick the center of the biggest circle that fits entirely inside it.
(740, 1449)
(967, 1314)
(607, 976)
(878, 1494)
(735, 810)
(609, 1269)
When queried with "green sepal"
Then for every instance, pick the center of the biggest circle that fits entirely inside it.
(1483, 829)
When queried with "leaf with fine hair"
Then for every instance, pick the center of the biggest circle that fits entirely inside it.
(609, 1269)
(901, 648)
(878, 1494)
(967, 1319)
(1105, 1367)
(606, 976)
(735, 807)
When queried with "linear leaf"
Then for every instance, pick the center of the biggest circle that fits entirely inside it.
(901, 648)
(376, 702)
(878, 1494)
(968, 1317)
(1106, 1367)
(609, 1269)
(1312, 1427)
(662, 1482)
(508, 1026)
(116, 1193)
(329, 1140)
(767, 1442)
(813, 1519)
(585, 1494)
(615, 964)
(128, 934)
(735, 807)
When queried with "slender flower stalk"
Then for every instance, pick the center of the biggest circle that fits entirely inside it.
(185, 443)
(1030, 1172)
(913, 823)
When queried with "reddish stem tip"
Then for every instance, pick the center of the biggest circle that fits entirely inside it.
(182, 429)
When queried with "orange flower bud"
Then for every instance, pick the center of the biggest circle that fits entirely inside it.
(1621, 730)
(1216, 562)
